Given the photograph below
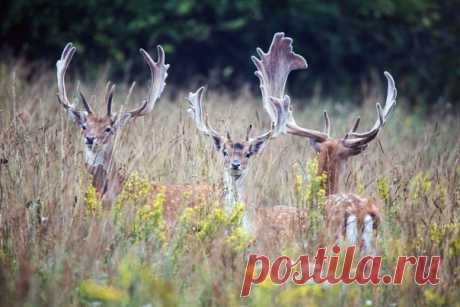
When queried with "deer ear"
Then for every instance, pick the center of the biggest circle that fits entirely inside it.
(78, 117)
(217, 141)
(258, 143)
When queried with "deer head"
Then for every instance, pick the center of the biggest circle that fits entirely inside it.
(99, 130)
(273, 70)
(235, 154)
(333, 152)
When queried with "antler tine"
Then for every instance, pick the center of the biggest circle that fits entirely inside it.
(195, 109)
(85, 103)
(158, 73)
(353, 128)
(273, 69)
(229, 137)
(315, 135)
(109, 90)
(358, 139)
(61, 68)
(293, 128)
(356, 125)
(248, 132)
(327, 124)
(282, 109)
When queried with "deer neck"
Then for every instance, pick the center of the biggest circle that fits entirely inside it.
(233, 190)
(234, 194)
(107, 179)
(331, 167)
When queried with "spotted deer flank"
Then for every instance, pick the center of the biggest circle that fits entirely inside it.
(178, 196)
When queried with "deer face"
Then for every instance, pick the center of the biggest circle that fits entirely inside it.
(97, 131)
(236, 155)
(98, 134)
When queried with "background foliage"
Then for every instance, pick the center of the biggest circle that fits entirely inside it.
(343, 41)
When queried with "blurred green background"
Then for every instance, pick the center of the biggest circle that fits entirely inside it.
(347, 44)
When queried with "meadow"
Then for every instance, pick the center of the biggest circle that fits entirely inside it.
(59, 247)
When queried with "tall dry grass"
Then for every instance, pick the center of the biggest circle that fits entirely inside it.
(58, 248)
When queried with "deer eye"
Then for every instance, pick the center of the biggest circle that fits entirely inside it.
(225, 152)
(108, 129)
(248, 154)
(83, 127)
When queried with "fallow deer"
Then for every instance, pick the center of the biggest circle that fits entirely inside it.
(273, 70)
(99, 131)
(347, 214)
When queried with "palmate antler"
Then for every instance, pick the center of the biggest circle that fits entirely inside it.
(158, 72)
(61, 67)
(198, 114)
(196, 110)
(273, 69)
(353, 140)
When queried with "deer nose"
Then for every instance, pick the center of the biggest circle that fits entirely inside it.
(236, 164)
(89, 140)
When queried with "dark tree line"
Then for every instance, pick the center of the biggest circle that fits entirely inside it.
(343, 41)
